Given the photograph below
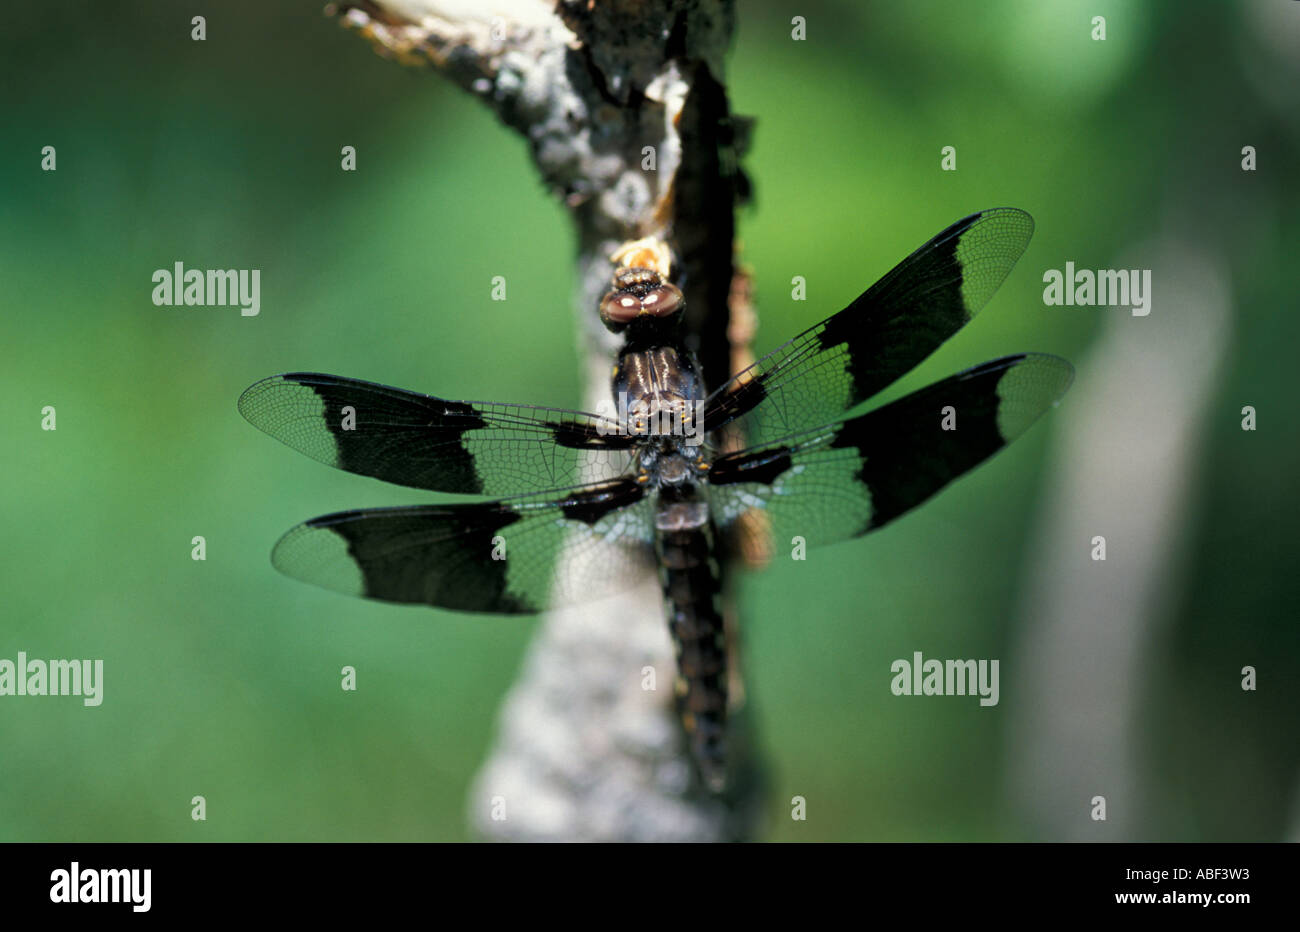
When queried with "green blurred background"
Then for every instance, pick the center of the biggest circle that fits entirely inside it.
(221, 677)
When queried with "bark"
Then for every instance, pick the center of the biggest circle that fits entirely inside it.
(597, 87)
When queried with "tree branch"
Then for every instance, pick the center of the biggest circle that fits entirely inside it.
(598, 87)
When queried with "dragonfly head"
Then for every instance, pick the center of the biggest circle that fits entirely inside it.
(641, 295)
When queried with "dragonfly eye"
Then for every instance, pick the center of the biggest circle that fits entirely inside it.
(662, 301)
(617, 310)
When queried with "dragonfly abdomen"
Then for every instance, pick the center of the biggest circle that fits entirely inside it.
(691, 593)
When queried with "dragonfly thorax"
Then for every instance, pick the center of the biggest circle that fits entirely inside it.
(658, 394)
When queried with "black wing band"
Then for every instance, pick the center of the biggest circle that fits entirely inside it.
(431, 443)
(506, 557)
(888, 330)
(846, 479)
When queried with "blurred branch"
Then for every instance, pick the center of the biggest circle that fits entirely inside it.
(599, 87)
(1127, 474)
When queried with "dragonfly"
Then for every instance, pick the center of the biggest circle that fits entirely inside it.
(669, 478)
